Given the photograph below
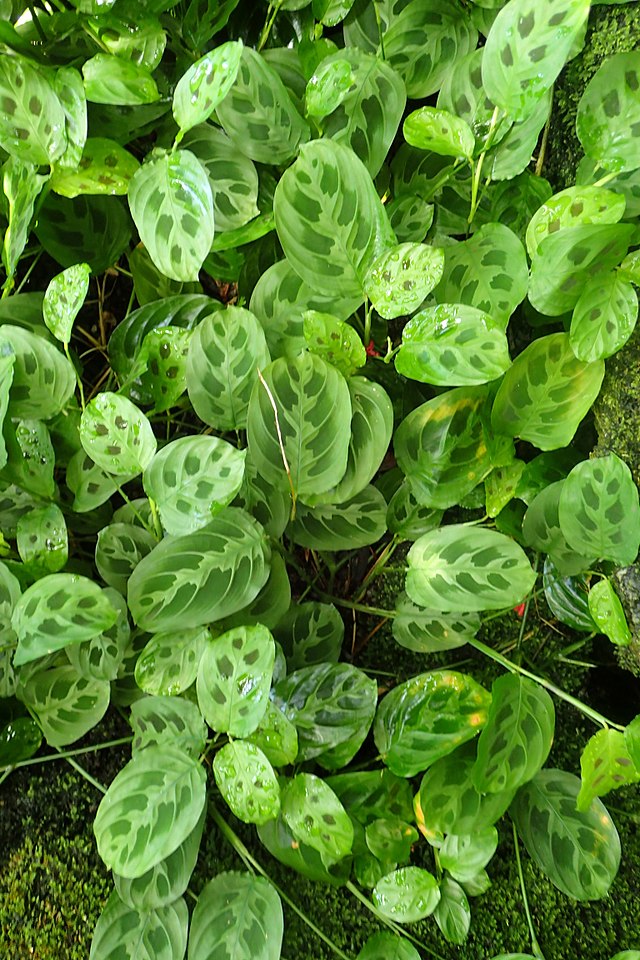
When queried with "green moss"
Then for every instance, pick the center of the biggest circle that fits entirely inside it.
(612, 29)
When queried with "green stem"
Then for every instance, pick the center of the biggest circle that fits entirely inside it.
(535, 946)
(3, 776)
(367, 322)
(84, 773)
(64, 755)
(157, 526)
(551, 687)
(525, 615)
(378, 567)
(38, 25)
(606, 179)
(360, 607)
(136, 512)
(475, 183)
(78, 377)
(380, 30)
(272, 13)
(28, 272)
(234, 840)
(397, 929)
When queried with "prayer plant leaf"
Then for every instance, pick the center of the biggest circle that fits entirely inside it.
(163, 357)
(63, 300)
(65, 704)
(517, 737)
(608, 613)
(119, 549)
(349, 525)
(310, 633)
(239, 916)
(234, 679)
(387, 946)
(605, 764)
(460, 568)
(410, 729)
(544, 812)
(247, 781)
(32, 119)
(598, 510)
(59, 609)
(608, 119)
(192, 479)
(570, 208)
(453, 344)
(42, 540)
(22, 186)
(604, 317)
(407, 895)
(200, 577)
(172, 206)
(546, 392)
(317, 202)
(427, 631)
(316, 817)
(400, 279)
(117, 435)
(150, 808)
(104, 168)
(526, 49)
(167, 721)
(334, 341)
(121, 931)
(168, 664)
(440, 132)
(310, 423)
(205, 84)
(464, 857)
(43, 378)
(452, 913)
(69, 86)
(110, 79)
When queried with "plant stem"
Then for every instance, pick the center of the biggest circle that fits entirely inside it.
(397, 929)
(543, 147)
(377, 567)
(272, 13)
(367, 321)
(360, 607)
(67, 753)
(234, 841)
(607, 177)
(92, 780)
(535, 946)
(477, 174)
(380, 30)
(551, 687)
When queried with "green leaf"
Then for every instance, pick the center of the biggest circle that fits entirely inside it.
(110, 79)
(316, 817)
(599, 512)
(390, 840)
(20, 739)
(440, 132)
(165, 882)
(565, 261)
(167, 722)
(7, 360)
(168, 665)
(460, 568)
(22, 186)
(464, 857)
(32, 121)
(104, 168)
(571, 207)
(276, 737)
(63, 300)
(191, 480)
(233, 177)
(426, 718)
(259, 115)
(246, 780)
(163, 357)
(121, 932)
(316, 204)
(362, 99)
(172, 206)
(65, 704)
(141, 40)
(608, 614)
(234, 679)
(400, 279)
(59, 609)
(488, 271)
(150, 808)
(427, 631)
(237, 916)
(334, 341)
(609, 113)
(63, 226)
(42, 540)
(517, 737)
(90, 486)
(375, 795)
(31, 457)
(408, 519)
(205, 84)
(632, 741)
(603, 318)
(545, 815)
(119, 549)
(387, 946)
(310, 633)
(313, 410)
(605, 765)
(271, 603)
(449, 803)
(546, 392)
(201, 577)
(567, 597)
(43, 379)
(441, 447)
(70, 89)
(541, 530)
(149, 284)
(410, 217)
(407, 895)
(101, 657)
(332, 707)
(453, 344)
(225, 353)
(347, 526)
(526, 49)
(453, 914)
(117, 435)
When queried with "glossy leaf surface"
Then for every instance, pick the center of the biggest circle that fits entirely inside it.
(237, 916)
(246, 780)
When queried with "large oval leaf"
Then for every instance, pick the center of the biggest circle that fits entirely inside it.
(603, 318)
(43, 378)
(65, 704)
(204, 576)
(578, 851)
(311, 420)
(460, 568)
(428, 717)
(172, 206)
(117, 435)
(150, 808)
(32, 120)
(609, 114)
(316, 204)
(346, 526)
(238, 916)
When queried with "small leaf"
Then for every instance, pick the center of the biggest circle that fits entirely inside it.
(168, 664)
(167, 722)
(32, 120)
(63, 300)
(400, 279)
(407, 895)
(20, 739)
(453, 914)
(276, 737)
(603, 318)
(316, 817)
(605, 765)
(119, 549)
(440, 132)
(164, 353)
(117, 435)
(608, 614)
(206, 83)
(104, 168)
(334, 341)
(310, 633)
(387, 946)
(42, 540)
(329, 85)
(110, 79)
(464, 857)
(246, 780)
(571, 207)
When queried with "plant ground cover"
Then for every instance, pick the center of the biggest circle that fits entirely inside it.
(268, 500)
